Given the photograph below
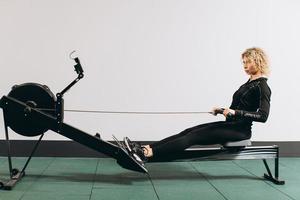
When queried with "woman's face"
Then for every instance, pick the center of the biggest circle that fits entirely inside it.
(249, 66)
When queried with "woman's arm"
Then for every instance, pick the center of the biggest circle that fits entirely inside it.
(262, 113)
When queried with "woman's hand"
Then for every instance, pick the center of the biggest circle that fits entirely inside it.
(228, 112)
(216, 111)
(224, 111)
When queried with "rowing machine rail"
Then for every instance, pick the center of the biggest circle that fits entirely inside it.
(229, 153)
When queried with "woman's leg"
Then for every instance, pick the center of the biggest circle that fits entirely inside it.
(212, 133)
(182, 134)
(148, 149)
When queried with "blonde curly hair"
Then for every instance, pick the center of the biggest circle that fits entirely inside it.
(259, 57)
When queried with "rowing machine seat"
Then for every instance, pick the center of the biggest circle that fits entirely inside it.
(241, 143)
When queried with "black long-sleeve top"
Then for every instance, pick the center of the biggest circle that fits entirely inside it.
(251, 102)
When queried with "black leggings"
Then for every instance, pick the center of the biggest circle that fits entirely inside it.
(205, 134)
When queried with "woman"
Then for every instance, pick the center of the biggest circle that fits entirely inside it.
(251, 102)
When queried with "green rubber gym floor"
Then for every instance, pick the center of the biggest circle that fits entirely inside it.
(102, 178)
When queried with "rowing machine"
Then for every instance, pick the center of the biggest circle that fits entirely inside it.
(31, 109)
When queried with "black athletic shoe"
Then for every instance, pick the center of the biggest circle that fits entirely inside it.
(135, 149)
(128, 144)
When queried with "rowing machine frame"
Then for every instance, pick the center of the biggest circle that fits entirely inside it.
(230, 153)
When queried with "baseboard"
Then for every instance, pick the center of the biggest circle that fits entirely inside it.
(20, 148)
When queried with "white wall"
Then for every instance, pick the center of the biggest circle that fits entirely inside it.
(158, 55)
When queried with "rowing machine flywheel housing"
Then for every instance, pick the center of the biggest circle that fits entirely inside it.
(34, 95)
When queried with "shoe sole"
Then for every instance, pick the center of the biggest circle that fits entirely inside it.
(127, 144)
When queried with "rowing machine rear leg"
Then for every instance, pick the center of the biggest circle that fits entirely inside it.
(270, 176)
